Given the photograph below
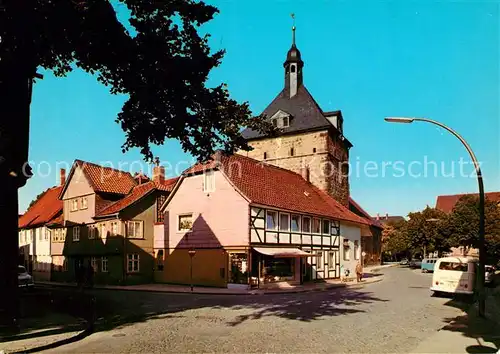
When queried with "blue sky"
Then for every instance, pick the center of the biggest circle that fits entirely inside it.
(370, 59)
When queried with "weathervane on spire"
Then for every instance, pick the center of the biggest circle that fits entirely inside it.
(293, 28)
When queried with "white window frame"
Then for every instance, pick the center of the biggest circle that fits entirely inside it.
(320, 259)
(310, 224)
(114, 228)
(74, 204)
(91, 230)
(104, 264)
(63, 234)
(179, 217)
(329, 227)
(346, 250)
(288, 224)
(356, 250)
(47, 234)
(103, 230)
(209, 181)
(83, 203)
(299, 223)
(331, 257)
(131, 226)
(76, 233)
(135, 259)
(275, 220)
(287, 122)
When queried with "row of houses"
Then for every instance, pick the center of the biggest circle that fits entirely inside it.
(232, 221)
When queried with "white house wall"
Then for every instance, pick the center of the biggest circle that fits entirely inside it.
(350, 234)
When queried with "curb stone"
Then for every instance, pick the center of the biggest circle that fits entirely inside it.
(252, 292)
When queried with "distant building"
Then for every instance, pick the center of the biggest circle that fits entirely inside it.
(371, 245)
(446, 203)
(385, 219)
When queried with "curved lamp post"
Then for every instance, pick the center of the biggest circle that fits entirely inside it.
(482, 249)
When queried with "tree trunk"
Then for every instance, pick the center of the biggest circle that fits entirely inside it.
(16, 70)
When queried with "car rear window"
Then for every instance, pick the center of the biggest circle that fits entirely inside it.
(457, 266)
(21, 270)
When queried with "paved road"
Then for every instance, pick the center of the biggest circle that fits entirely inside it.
(394, 315)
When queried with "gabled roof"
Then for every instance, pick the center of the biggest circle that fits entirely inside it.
(167, 185)
(276, 187)
(305, 113)
(360, 210)
(103, 179)
(388, 218)
(136, 194)
(47, 208)
(446, 203)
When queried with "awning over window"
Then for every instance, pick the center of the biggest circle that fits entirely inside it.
(283, 252)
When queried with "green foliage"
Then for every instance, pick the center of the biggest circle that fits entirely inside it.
(395, 238)
(464, 225)
(426, 231)
(162, 68)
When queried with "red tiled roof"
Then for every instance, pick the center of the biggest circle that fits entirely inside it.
(447, 202)
(137, 193)
(277, 187)
(45, 209)
(107, 179)
(167, 185)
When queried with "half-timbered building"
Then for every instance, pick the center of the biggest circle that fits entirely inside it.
(235, 220)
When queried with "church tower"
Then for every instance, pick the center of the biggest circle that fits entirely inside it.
(310, 142)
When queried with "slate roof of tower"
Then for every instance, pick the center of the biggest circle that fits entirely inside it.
(305, 111)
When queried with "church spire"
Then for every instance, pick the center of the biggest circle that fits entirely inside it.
(293, 66)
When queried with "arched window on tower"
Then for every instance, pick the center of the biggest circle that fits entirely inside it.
(292, 68)
(292, 152)
(265, 155)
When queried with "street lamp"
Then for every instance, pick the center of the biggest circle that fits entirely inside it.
(482, 249)
(191, 252)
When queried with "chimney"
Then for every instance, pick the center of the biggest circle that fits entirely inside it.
(304, 171)
(158, 172)
(62, 176)
(378, 216)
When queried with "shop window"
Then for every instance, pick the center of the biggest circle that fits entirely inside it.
(306, 224)
(271, 220)
(284, 222)
(238, 268)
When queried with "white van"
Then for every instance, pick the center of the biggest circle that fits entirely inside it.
(454, 275)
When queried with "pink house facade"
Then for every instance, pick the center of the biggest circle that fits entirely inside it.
(236, 222)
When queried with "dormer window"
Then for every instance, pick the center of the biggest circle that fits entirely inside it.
(281, 119)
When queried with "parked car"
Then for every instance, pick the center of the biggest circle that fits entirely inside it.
(404, 261)
(416, 263)
(24, 280)
(428, 264)
(489, 274)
